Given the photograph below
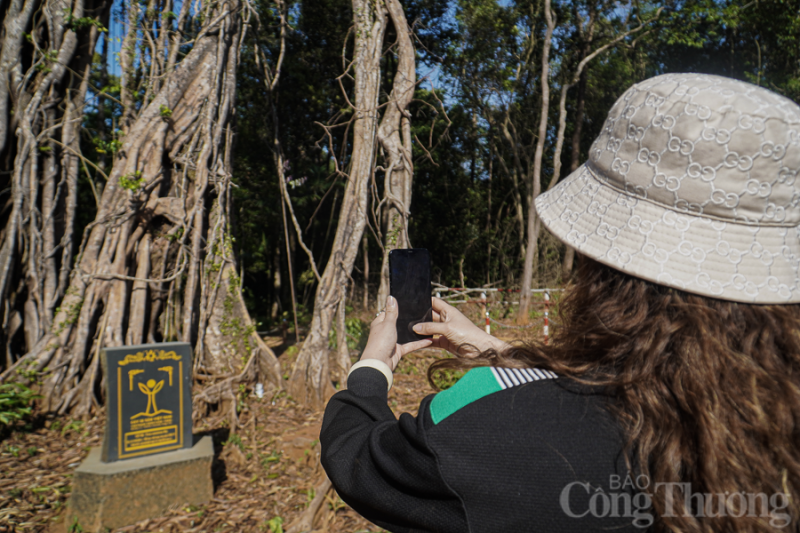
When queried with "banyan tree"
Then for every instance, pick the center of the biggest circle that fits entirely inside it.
(157, 261)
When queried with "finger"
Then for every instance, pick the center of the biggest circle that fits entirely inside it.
(443, 344)
(439, 342)
(440, 305)
(432, 328)
(437, 317)
(378, 319)
(403, 349)
(391, 308)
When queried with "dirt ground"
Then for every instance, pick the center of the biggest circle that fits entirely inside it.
(264, 474)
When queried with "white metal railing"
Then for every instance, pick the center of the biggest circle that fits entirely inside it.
(483, 301)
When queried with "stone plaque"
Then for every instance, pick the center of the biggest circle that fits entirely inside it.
(148, 399)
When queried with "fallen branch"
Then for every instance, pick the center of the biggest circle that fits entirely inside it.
(305, 523)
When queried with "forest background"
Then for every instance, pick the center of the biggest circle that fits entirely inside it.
(212, 171)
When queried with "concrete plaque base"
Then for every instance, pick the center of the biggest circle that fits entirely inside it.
(106, 496)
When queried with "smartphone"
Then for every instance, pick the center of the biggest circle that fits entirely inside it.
(410, 284)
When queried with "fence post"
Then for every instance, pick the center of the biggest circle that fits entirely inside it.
(546, 317)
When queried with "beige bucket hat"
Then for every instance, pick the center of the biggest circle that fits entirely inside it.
(693, 183)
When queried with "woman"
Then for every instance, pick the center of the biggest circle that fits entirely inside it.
(669, 399)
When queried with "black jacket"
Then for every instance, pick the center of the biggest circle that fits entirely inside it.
(501, 451)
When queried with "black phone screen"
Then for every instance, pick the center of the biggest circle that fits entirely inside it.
(410, 284)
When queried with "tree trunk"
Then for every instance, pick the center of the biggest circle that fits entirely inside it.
(342, 350)
(276, 284)
(515, 177)
(394, 135)
(575, 160)
(165, 210)
(44, 77)
(365, 252)
(579, 77)
(536, 179)
(310, 382)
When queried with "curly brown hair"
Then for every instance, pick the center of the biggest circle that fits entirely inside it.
(707, 392)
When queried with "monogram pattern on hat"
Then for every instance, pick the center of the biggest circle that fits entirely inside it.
(692, 183)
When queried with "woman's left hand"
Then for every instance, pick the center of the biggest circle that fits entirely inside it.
(382, 343)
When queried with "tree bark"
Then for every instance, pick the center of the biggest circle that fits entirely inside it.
(394, 134)
(365, 252)
(44, 76)
(342, 350)
(579, 77)
(310, 382)
(174, 162)
(515, 176)
(536, 181)
(575, 160)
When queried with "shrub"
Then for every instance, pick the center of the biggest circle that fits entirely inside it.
(15, 402)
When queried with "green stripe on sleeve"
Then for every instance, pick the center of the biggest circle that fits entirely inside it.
(475, 384)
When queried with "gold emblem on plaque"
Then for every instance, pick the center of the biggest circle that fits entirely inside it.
(167, 369)
(149, 356)
(132, 373)
(151, 388)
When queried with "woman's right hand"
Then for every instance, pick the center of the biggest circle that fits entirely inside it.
(457, 334)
